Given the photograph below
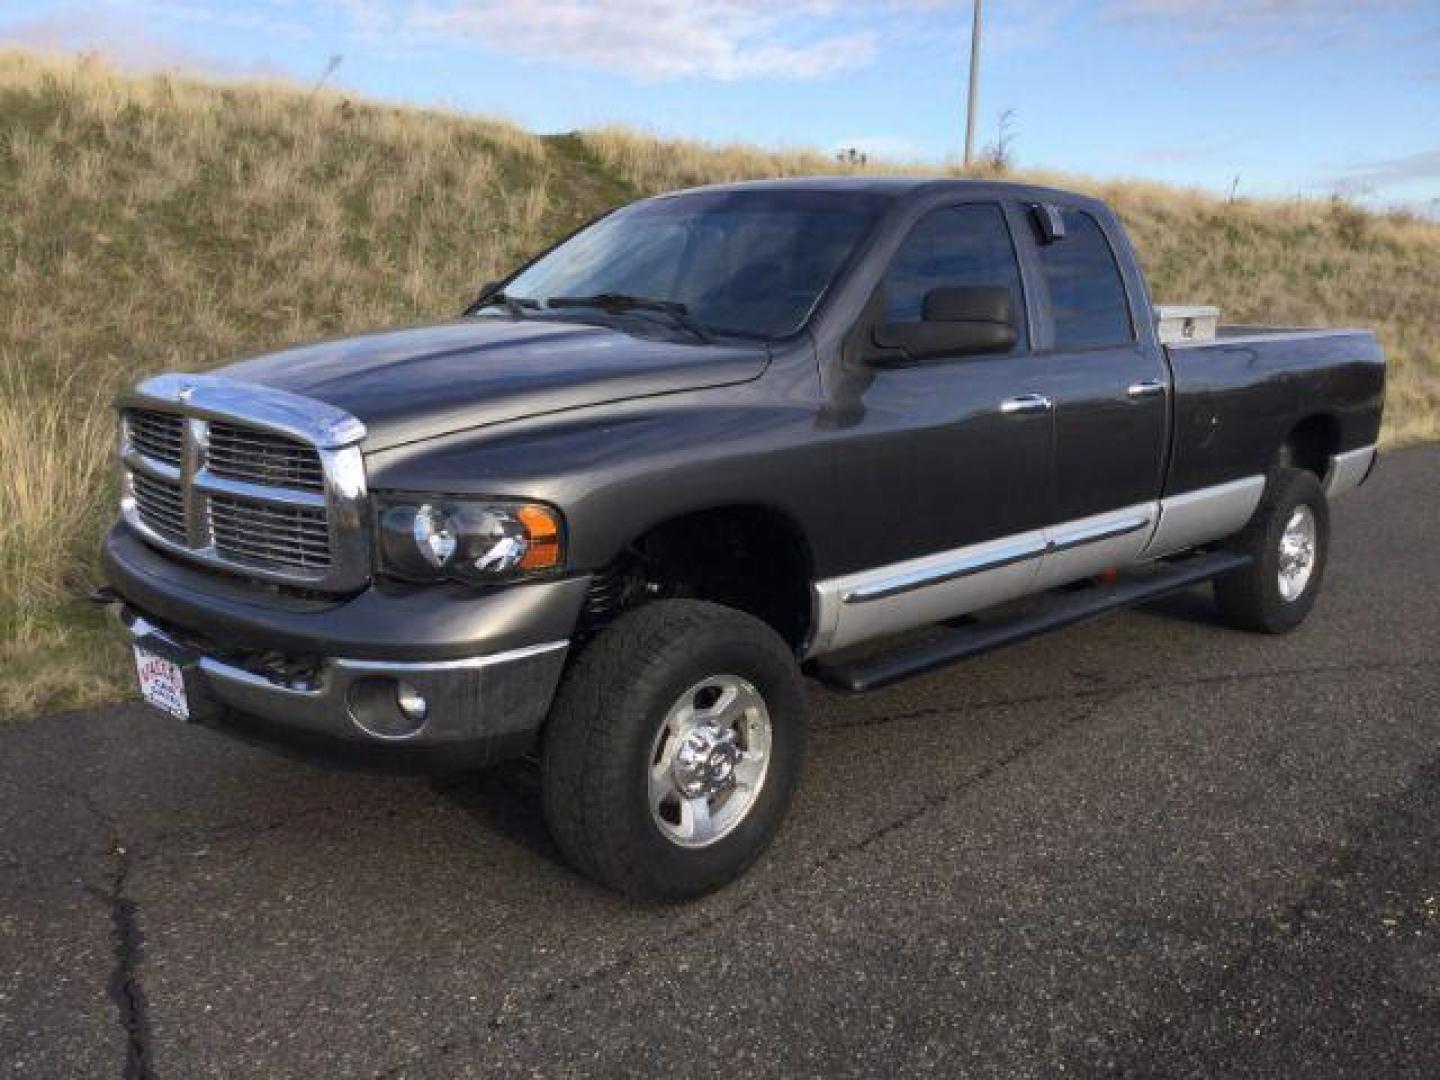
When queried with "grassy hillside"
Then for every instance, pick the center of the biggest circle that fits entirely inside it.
(163, 223)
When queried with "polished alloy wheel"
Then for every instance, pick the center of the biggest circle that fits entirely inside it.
(709, 761)
(1297, 552)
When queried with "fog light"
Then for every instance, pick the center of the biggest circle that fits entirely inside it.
(410, 701)
(386, 708)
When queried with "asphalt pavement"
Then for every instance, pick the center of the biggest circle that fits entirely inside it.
(1145, 846)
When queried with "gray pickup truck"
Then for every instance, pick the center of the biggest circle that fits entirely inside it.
(713, 443)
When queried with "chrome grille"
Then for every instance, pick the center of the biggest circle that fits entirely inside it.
(157, 435)
(260, 457)
(275, 536)
(162, 506)
(248, 478)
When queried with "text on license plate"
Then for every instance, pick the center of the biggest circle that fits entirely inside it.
(162, 683)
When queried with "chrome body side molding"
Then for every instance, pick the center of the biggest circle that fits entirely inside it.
(936, 570)
(1348, 470)
(874, 603)
(1078, 549)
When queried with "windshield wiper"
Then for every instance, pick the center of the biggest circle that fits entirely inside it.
(679, 313)
(515, 305)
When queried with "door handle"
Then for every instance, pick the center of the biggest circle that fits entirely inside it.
(1148, 388)
(1026, 404)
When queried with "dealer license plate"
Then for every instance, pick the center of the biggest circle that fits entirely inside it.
(162, 683)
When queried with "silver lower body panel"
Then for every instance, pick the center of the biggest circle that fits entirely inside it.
(875, 603)
(871, 604)
(1349, 470)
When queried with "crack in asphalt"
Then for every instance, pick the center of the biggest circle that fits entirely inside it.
(242, 830)
(626, 959)
(123, 987)
(198, 835)
(1102, 692)
(126, 990)
(359, 813)
(935, 802)
(708, 923)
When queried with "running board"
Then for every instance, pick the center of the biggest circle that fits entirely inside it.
(959, 643)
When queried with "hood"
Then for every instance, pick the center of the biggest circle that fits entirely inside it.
(406, 385)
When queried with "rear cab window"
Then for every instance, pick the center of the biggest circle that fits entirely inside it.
(1088, 304)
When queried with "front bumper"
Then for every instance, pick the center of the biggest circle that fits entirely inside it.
(320, 676)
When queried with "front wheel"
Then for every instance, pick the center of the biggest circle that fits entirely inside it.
(673, 749)
(1288, 539)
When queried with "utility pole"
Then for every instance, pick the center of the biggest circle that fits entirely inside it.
(974, 86)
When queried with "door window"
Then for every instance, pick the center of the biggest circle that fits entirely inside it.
(958, 246)
(1087, 293)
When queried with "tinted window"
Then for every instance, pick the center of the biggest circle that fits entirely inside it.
(1087, 294)
(957, 246)
(752, 263)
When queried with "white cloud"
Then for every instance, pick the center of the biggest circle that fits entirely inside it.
(662, 39)
(1188, 153)
(1369, 176)
(122, 40)
(1270, 21)
(272, 18)
(650, 40)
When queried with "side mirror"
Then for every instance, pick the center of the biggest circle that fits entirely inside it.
(962, 321)
(1048, 222)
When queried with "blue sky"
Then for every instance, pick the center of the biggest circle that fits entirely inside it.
(1290, 96)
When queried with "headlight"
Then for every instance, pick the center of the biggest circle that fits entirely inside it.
(424, 538)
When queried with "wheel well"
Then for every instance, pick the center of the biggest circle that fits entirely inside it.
(752, 558)
(1310, 444)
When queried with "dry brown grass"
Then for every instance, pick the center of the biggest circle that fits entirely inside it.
(55, 447)
(161, 222)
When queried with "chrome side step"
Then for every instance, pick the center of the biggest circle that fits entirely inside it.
(960, 642)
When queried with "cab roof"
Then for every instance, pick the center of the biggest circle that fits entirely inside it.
(901, 187)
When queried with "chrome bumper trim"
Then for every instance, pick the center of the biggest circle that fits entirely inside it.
(476, 698)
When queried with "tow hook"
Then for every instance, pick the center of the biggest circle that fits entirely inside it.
(104, 596)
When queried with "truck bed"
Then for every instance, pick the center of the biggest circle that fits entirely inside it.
(1238, 397)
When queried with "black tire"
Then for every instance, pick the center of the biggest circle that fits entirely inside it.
(1251, 598)
(601, 734)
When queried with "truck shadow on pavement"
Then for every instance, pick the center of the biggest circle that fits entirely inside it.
(1193, 606)
(504, 800)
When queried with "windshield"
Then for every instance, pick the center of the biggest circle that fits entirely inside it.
(748, 263)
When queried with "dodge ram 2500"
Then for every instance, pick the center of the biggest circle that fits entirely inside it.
(710, 444)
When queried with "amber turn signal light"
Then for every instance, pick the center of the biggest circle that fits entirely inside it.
(542, 531)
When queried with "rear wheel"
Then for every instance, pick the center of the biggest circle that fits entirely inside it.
(1288, 539)
(673, 749)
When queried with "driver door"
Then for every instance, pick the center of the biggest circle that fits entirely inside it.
(951, 468)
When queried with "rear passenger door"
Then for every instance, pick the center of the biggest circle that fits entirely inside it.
(1109, 382)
